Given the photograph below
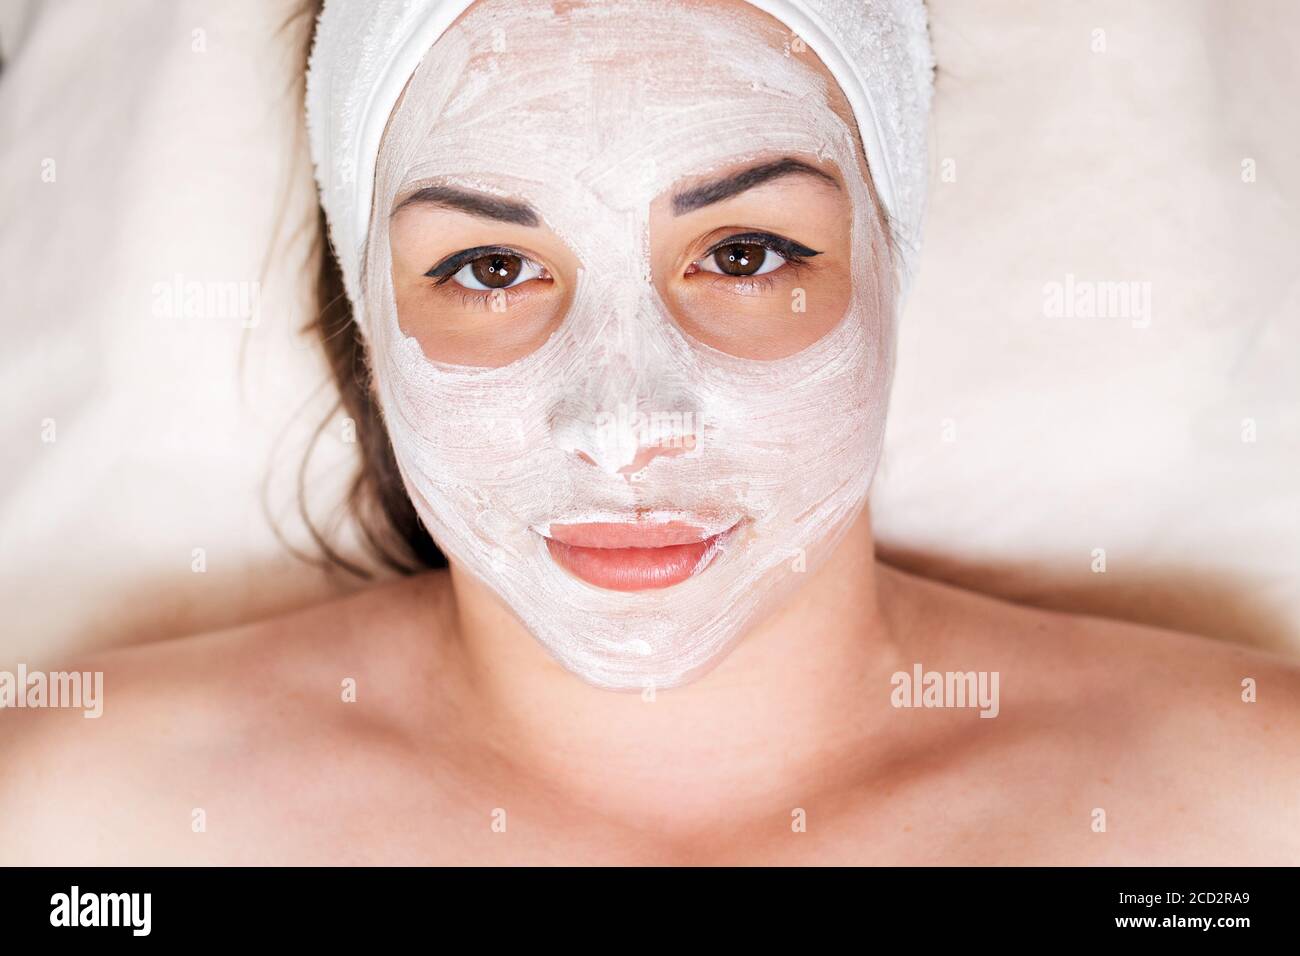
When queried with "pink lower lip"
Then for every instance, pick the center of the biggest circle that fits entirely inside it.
(627, 557)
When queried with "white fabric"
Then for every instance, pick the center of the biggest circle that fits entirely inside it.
(1073, 435)
(1109, 142)
(174, 134)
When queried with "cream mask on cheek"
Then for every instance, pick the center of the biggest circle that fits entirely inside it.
(589, 115)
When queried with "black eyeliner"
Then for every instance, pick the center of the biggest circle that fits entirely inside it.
(448, 267)
(790, 250)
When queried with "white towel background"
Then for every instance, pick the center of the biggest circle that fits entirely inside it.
(1099, 140)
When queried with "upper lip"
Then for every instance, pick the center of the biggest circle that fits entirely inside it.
(636, 534)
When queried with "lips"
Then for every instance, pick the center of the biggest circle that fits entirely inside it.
(633, 556)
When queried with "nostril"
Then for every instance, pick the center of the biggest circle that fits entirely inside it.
(585, 457)
(645, 455)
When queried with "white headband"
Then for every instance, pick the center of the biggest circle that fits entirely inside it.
(366, 50)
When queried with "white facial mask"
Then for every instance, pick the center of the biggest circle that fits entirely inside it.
(589, 119)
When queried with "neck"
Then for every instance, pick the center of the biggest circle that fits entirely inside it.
(806, 685)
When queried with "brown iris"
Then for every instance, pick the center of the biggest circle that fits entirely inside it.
(740, 258)
(497, 270)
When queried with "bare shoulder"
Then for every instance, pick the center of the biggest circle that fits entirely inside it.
(198, 734)
(1153, 745)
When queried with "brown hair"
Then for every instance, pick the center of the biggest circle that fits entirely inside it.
(390, 529)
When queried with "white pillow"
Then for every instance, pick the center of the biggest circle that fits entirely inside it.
(145, 148)
(1123, 143)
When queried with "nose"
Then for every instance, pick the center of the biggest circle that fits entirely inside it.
(624, 417)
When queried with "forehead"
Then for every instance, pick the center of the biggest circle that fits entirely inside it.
(659, 44)
(664, 89)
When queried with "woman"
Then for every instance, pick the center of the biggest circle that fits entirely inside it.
(623, 296)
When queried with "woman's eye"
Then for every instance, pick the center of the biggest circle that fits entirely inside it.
(496, 271)
(742, 259)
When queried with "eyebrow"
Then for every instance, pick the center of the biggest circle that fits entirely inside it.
(483, 205)
(737, 183)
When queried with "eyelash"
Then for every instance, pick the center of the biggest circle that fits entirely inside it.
(444, 271)
(447, 268)
(796, 255)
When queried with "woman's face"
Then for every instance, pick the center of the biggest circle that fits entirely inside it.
(629, 308)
